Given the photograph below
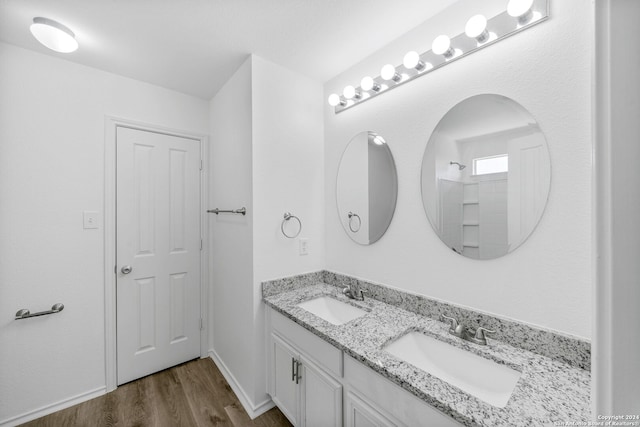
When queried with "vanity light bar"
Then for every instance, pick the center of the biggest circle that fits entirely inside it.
(479, 33)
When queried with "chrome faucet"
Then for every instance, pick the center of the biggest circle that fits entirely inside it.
(479, 336)
(459, 330)
(357, 294)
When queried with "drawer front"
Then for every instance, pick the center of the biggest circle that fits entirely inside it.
(313, 347)
(399, 403)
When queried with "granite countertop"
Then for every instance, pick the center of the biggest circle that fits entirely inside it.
(548, 391)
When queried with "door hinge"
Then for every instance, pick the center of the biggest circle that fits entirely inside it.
(201, 244)
(115, 269)
(201, 324)
(201, 164)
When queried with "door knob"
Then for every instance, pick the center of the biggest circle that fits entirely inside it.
(126, 269)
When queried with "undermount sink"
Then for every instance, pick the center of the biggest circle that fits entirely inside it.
(483, 378)
(332, 310)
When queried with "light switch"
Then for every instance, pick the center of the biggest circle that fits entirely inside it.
(90, 219)
(304, 246)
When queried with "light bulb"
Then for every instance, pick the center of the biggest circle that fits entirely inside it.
(521, 9)
(334, 100)
(378, 140)
(442, 46)
(349, 92)
(388, 72)
(53, 35)
(476, 28)
(412, 60)
(368, 84)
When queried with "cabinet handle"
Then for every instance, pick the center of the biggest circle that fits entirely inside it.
(298, 376)
(293, 369)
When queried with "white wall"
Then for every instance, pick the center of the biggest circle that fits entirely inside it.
(52, 126)
(288, 176)
(381, 188)
(288, 171)
(547, 281)
(617, 108)
(353, 176)
(440, 168)
(231, 236)
(267, 155)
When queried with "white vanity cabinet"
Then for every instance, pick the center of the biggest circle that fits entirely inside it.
(360, 413)
(284, 388)
(320, 397)
(393, 405)
(311, 382)
(304, 375)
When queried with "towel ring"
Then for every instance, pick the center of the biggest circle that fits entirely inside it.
(287, 217)
(351, 215)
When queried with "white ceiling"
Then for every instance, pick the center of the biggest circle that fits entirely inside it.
(194, 46)
(483, 115)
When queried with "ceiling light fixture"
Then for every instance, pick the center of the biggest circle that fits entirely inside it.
(54, 35)
(412, 61)
(477, 35)
(350, 92)
(442, 46)
(388, 72)
(335, 100)
(368, 84)
(521, 9)
(476, 28)
(378, 140)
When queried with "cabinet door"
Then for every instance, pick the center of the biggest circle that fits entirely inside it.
(284, 390)
(321, 397)
(359, 413)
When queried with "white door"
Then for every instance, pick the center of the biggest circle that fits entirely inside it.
(158, 251)
(529, 181)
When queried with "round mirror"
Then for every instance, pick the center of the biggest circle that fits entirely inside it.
(367, 188)
(486, 175)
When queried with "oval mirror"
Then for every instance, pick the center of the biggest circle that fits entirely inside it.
(486, 175)
(366, 188)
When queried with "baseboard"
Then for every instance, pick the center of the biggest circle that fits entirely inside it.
(252, 409)
(54, 407)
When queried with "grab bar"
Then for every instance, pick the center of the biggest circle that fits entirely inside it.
(25, 314)
(242, 211)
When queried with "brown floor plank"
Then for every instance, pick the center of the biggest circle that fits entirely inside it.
(238, 416)
(223, 390)
(172, 408)
(204, 396)
(192, 394)
(139, 406)
(274, 418)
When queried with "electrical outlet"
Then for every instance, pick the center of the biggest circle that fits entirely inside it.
(90, 219)
(304, 246)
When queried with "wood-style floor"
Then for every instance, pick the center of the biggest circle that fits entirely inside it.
(192, 394)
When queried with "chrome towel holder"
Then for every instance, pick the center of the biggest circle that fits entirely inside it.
(241, 211)
(352, 215)
(287, 217)
(25, 314)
